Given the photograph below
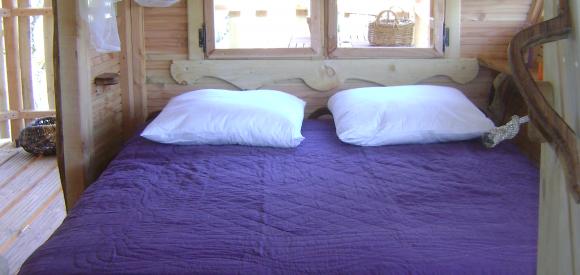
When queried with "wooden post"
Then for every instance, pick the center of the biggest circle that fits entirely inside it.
(13, 68)
(127, 68)
(25, 54)
(535, 12)
(48, 54)
(73, 99)
(139, 63)
(4, 125)
(453, 22)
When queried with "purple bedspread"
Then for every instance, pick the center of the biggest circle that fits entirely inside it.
(323, 208)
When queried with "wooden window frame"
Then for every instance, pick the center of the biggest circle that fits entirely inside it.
(436, 50)
(315, 50)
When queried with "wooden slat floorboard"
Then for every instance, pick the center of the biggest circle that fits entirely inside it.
(36, 234)
(15, 218)
(31, 204)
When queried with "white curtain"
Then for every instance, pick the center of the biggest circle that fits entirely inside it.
(101, 18)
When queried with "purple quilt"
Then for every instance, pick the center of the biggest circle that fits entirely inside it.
(323, 208)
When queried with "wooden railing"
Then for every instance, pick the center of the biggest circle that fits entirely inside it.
(16, 70)
(552, 126)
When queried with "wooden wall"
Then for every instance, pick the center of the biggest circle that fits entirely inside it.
(107, 113)
(487, 26)
(489, 22)
(559, 233)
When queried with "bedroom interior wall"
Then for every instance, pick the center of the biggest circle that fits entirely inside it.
(487, 26)
(559, 233)
(107, 108)
(166, 39)
(107, 113)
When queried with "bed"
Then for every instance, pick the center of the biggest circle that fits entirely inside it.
(323, 208)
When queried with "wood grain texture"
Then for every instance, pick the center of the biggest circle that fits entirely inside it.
(324, 75)
(13, 70)
(73, 100)
(25, 54)
(166, 40)
(488, 25)
(107, 111)
(4, 125)
(31, 204)
(161, 92)
(559, 232)
(554, 128)
(49, 54)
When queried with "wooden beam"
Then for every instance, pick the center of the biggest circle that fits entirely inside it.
(559, 219)
(25, 54)
(453, 22)
(549, 122)
(4, 125)
(535, 12)
(126, 68)
(48, 53)
(14, 12)
(139, 63)
(13, 67)
(194, 23)
(30, 11)
(73, 99)
(25, 114)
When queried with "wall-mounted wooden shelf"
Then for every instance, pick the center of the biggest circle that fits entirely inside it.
(107, 79)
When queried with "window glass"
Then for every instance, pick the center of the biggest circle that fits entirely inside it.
(255, 24)
(402, 23)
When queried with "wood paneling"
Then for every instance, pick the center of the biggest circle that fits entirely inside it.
(559, 233)
(486, 28)
(488, 25)
(166, 30)
(160, 93)
(107, 112)
(31, 204)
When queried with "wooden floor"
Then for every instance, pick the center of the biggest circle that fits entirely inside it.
(31, 204)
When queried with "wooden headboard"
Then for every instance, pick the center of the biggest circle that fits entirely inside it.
(316, 80)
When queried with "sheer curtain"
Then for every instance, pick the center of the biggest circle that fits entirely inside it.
(101, 19)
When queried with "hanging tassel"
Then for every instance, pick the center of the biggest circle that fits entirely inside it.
(509, 131)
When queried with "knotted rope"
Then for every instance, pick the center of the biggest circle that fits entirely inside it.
(508, 131)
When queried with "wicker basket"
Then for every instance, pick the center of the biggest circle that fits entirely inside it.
(392, 31)
(39, 138)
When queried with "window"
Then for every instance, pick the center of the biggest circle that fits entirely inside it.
(262, 28)
(412, 28)
(294, 28)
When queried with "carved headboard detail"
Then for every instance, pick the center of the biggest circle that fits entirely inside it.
(323, 75)
(554, 128)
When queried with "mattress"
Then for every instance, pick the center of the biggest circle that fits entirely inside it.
(322, 208)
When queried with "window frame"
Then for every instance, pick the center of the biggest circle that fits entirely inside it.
(315, 50)
(436, 50)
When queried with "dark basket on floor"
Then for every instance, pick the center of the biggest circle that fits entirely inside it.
(39, 138)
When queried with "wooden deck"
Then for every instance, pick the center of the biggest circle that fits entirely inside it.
(31, 204)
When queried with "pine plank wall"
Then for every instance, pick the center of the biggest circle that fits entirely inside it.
(107, 112)
(486, 28)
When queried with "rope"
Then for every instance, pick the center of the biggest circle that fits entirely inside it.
(508, 131)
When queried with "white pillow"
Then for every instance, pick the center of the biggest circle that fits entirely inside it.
(218, 117)
(405, 115)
